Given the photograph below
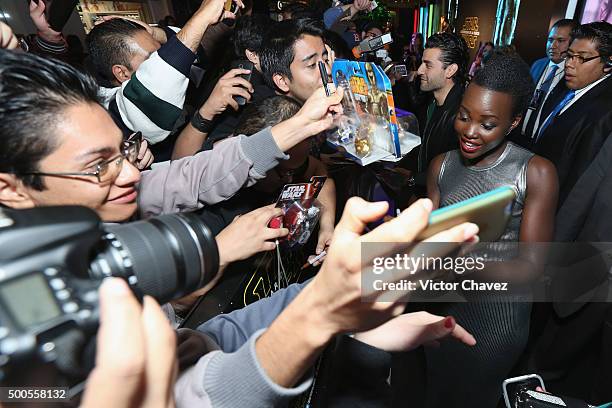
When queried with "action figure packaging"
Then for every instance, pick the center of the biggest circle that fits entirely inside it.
(368, 130)
(301, 210)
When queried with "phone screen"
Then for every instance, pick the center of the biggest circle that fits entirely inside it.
(513, 387)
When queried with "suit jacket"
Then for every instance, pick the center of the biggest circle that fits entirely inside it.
(575, 137)
(586, 214)
(538, 67)
(516, 136)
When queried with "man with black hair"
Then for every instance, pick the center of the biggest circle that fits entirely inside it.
(547, 72)
(64, 149)
(248, 38)
(294, 11)
(578, 116)
(290, 56)
(371, 30)
(81, 157)
(443, 73)
(129, 58)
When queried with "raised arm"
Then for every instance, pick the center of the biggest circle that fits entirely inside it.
(216, 175)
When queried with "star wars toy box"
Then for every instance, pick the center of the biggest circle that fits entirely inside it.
(301, 210)
(368, 130)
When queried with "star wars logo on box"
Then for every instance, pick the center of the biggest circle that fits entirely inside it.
(301, 210)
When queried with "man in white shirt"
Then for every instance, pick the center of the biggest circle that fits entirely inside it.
(547, 72)
(577, 118)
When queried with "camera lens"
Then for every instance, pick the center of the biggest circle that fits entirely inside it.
(171, 255)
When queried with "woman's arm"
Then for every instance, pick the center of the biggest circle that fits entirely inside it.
(537, 227)
(433, 172)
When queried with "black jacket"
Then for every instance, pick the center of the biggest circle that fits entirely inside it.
(438, 137)
(575, 137)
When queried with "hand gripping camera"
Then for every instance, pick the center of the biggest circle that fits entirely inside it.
(52, 261)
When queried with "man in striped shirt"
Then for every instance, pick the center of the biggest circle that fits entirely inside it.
(144, 71)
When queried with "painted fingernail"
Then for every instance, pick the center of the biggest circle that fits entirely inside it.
(449, 322)
(470, 230)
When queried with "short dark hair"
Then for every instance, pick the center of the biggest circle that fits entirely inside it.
(370, 25)
(454, 50)
(338, 45)
(300, 10)
(600, 33)
(507, 73)
(250, 32)
(565, 22)
(34, 93)
(268, 112)
(277, 52)
(109, 43)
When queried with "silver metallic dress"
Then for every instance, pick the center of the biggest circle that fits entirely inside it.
(462, 376)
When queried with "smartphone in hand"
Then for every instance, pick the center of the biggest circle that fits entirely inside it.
(242, 64)
(491, 211)
(513, 387)
(401, 70)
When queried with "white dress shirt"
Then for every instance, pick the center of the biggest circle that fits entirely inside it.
(556, 79)
(581, 92)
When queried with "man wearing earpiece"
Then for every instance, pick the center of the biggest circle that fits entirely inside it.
(579, 118)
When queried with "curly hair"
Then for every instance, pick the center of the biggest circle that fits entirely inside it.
(268, 112)
(507, 73)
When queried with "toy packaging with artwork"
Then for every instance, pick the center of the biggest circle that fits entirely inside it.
(368, 131)
(301, 210)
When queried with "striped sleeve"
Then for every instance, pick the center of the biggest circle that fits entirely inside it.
(152, 100)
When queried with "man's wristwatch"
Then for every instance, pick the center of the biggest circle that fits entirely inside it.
(201, 124)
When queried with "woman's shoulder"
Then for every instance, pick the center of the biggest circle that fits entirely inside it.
(520, 150)
(540, 168)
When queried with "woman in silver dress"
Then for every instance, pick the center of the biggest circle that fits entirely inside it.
(491, 107)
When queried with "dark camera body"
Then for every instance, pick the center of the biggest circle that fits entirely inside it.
(53, 260)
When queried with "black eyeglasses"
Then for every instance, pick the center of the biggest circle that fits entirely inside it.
(108, 170)
(579, 58)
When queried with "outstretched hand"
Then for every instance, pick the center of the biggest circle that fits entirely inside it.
(411, 330)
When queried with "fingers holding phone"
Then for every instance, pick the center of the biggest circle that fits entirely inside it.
(233, 89)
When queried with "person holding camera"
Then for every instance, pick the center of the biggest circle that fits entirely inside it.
(81, 158)
(264, 370)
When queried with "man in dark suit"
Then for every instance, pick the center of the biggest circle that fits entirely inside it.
(577, 117)
(547, 72)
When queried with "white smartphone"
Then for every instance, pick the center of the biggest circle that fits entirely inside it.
(512, 387)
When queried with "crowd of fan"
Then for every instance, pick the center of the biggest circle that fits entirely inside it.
(145, 121)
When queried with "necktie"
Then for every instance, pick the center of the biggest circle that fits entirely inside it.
(570, 95)
(549, 79)
(543, 90)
